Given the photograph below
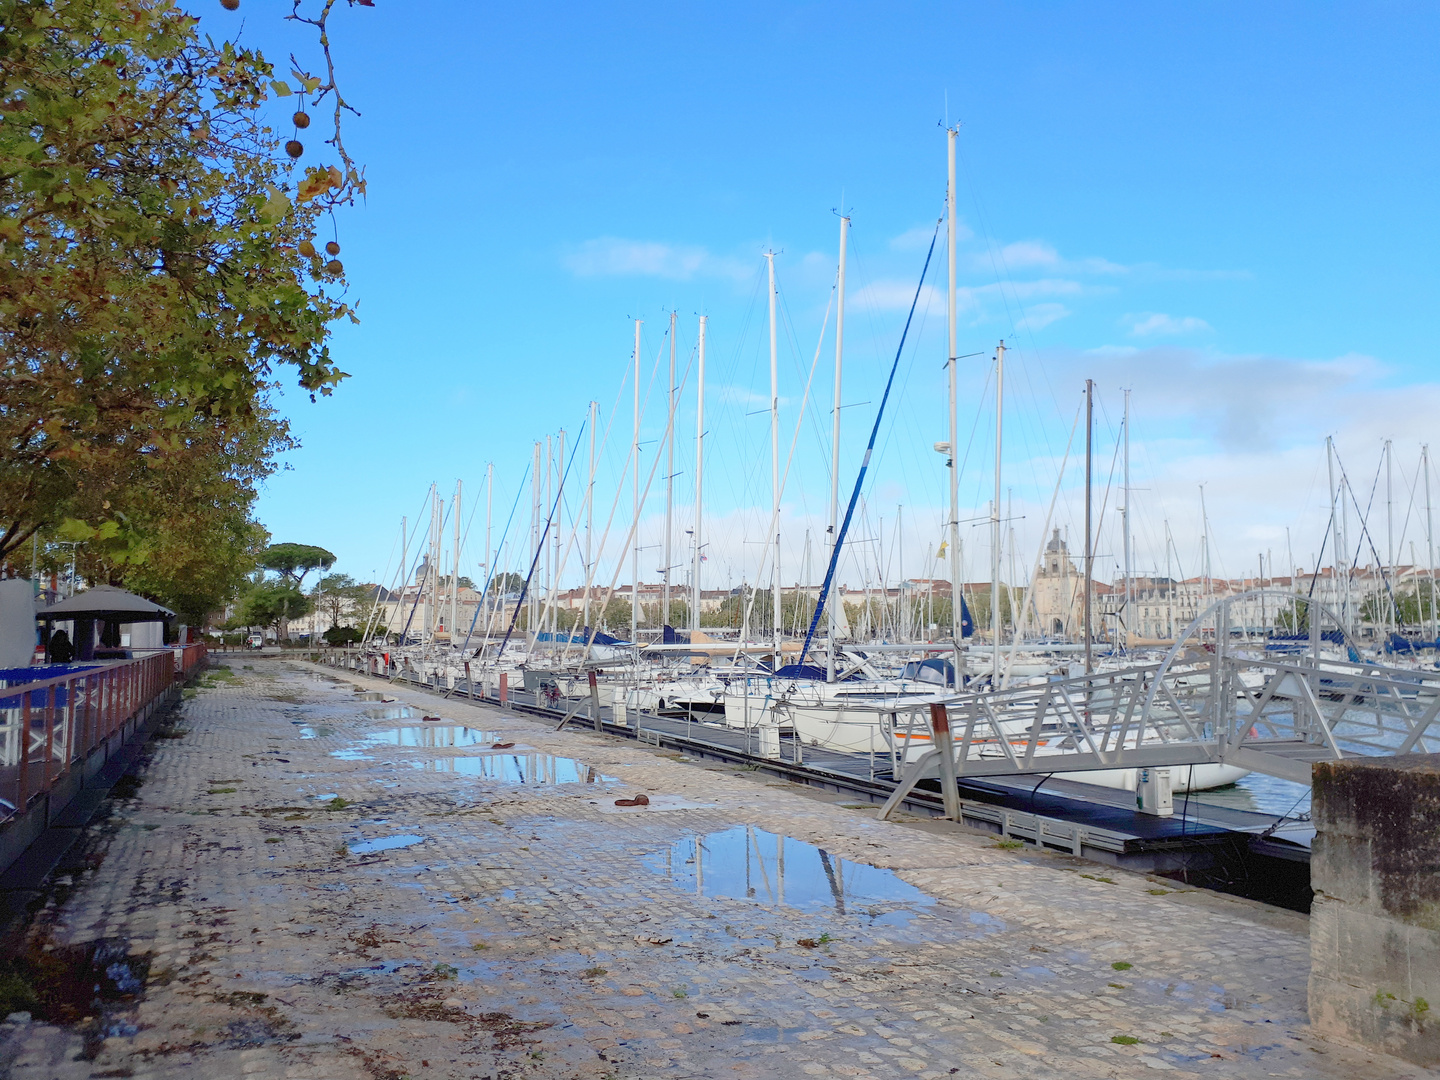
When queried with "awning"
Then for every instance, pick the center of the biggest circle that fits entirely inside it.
(106, 602)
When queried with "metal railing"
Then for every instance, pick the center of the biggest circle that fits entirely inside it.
(48, 727)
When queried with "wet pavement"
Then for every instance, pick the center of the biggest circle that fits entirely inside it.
(303, 887)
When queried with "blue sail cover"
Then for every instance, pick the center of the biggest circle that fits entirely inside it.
(933, 669)
(671, 636)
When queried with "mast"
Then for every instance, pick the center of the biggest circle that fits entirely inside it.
(1386, 578)
(957, 597)
(699, 482)
(1430, 543)
(774, 464)
(669, 478)
(404, 566)
(589, 518)
(455, 567)
(558, 502)
(1089, 544)
(635, 513)
(1125, 522)
(833, 531)
(1334, 527)
(489, 555)
(535, 493)
(995, 518)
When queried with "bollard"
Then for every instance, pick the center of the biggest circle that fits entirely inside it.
(504, 690)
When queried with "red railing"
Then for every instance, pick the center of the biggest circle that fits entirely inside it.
(50, 726)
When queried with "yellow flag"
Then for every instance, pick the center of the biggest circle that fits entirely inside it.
(941, 553)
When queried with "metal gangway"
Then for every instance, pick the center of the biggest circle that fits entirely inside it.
(1219, 695)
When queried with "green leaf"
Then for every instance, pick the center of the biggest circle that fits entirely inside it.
(275, 207)
(281, 89)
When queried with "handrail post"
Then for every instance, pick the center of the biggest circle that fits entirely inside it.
(940, 726)
(22, 798)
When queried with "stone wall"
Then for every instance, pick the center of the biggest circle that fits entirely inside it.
(1375, 923)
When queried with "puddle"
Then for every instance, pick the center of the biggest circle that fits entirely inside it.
(752, 864)
(435, 735)
(316, 731)
(351, 755)
(385, 843)
(519, 769)
(390, 712)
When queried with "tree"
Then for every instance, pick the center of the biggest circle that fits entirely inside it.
(616, 616)
(293, 561)
(274, 603)
(339, 596)
(507, 583)
(159, 269)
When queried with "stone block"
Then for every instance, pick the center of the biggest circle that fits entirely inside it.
(1375, 923)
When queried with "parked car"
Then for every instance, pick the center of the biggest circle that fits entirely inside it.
(255, 641)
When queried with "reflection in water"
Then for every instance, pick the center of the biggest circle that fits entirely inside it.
(316, 731)
(385, 843)
(518, 768)
(749, 863)
(434, 735)
(1260, 793)
(389, 712)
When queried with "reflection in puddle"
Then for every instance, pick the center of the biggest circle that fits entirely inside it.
(385, 843)
(749, 863)
(434, 735)
(519, 768)
(316, 731)
(350, 755)
(390, 712)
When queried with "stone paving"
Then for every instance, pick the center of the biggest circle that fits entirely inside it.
(536, 930)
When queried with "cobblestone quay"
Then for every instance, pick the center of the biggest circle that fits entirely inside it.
(324, 887)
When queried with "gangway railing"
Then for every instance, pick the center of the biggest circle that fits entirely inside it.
(1223, 703)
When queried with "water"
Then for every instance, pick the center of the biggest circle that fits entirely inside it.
(390, 712)
(519, 768)
(1259, 793)
(751, 864)
(385, 843)
(435, 735)
(316, 731)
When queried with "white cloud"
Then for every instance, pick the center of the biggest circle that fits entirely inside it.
(1040, 316)
(1029, 253)
(611, 256)
(1156, 324)
(918, 238)
(896, 296)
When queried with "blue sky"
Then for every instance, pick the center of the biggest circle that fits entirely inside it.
(1227, 208)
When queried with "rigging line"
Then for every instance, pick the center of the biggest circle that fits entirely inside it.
(364, 638)
(540, 547)
(1366, 535)
(490, 565)
(869, 449)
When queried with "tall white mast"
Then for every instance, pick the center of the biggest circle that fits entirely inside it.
(635, 514)
(555, 551)
(531, 611)
(1387, 577)
(1336, 542)
(1430, 543)
(957, 597)
(1125, 523)
(699, 482)
(669, 477)
(831, 621)
(455, 568)
(589, 514)
(490, 559)
(774, 463)
(995, 518)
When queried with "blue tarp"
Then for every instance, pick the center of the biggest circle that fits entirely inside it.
(800, 671)
(1399, 643)
(39, 698)
(671, 636)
